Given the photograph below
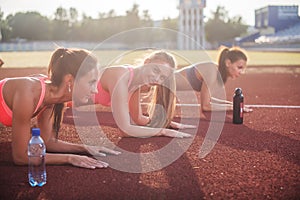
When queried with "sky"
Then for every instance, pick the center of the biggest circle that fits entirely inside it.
(158, 9)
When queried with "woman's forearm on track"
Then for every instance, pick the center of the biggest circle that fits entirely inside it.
(221, 101)
(217, 107)
(55, 145)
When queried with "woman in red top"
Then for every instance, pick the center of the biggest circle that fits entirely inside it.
(120, 88)
(23, 98)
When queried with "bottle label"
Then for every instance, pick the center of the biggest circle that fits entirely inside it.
(241, 109)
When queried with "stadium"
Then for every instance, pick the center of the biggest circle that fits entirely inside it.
(259, 159)
(276, 27)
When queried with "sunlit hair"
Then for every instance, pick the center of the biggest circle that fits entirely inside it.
(233, 54)
(63, 62)
(162, 106)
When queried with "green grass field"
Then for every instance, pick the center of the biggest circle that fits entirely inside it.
(42, 58)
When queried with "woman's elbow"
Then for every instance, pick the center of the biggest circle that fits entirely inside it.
(143, 121)
(140, 120)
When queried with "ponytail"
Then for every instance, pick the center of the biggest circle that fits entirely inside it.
(233, 54)
(63, 62)
(57, 117)
(222, 65)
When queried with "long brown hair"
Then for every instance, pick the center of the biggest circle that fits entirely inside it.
(162, 106)
(67, 61)
(233, 54)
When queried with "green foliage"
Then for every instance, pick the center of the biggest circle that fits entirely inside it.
(221, 28)
(5, 30)
(29, 25)
(66, 25)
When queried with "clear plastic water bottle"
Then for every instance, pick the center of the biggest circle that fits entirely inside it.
(238, 106)
(36, 159)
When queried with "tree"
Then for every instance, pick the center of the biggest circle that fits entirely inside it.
(60, 24)
(221, 28)
(169, 23)
(5, 29)
(132, 20)
(61, 14)
(24, 25)
(132, 17)
(111, 13)
(73, 15)
(146, 20)
(65, 25)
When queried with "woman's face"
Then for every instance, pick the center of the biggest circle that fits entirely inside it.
(85, 86)
(156, 73)
(236, 68)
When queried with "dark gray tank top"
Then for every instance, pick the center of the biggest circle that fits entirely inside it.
(192, 78)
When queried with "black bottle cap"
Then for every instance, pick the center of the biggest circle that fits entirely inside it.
(238, 91)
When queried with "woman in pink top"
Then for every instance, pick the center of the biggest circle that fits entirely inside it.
(120, 88)
(23, 98)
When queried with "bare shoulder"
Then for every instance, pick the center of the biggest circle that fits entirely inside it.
(39, 75)
(208, 71)
(110, 76)
(115, 69)
(205, 66)
(115, 72)
(200, 66)
(22, 84)
(22, 93)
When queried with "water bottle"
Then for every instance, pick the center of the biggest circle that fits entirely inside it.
(238, 106)
(36, 159)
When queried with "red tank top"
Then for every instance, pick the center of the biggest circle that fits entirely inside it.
(103, 97)
(6, 112)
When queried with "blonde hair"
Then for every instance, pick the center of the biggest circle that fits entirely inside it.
(161, 108)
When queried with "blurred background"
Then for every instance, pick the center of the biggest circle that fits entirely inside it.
(36, 25)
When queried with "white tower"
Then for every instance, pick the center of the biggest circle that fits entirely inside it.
(191, 24)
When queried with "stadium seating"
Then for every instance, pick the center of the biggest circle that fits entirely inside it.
(291, 34)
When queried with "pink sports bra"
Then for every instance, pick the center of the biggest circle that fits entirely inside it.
(103, 97)
(6, 112)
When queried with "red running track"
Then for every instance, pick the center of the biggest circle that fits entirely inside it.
(257, 160)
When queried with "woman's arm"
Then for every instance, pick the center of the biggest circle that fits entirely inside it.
(53, 144)
(220, 105)
(122, 117)
(75, 160)
(177, 125)
(22, 104)
(23, 107)
(142, 120)
(209, 103)
(135, 109)
(221, 101)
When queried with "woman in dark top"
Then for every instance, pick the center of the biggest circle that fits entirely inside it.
(209, 78)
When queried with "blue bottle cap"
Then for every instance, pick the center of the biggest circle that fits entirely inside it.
(35, 131)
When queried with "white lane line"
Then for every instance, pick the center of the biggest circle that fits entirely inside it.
(253, 106)
(273, 106)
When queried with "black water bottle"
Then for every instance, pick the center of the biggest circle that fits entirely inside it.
(238, 106)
